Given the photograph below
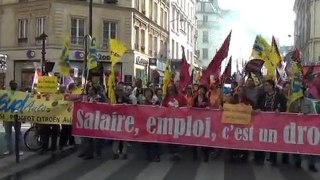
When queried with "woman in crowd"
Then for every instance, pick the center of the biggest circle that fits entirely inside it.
(275, 102)
(189, 97)
(239, 97)
(159, 96)
(152, 149)
(201, 101)
(120, 147)
(174, 100)
(92, 145)
(215, 95)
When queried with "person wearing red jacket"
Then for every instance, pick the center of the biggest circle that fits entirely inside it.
(174, 100)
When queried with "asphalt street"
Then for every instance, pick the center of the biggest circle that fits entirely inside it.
(137, 168)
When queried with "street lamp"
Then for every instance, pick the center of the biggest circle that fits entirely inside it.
(43, 37)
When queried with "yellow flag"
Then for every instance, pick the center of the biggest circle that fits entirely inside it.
(93, 55)
(77, 90)
(111, 87)
(275, 55)
(262, 50)
(117, 49)
(296, 91)
(64, 58)
(167, 77)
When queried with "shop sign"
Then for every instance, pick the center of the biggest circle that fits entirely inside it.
(140, 61)
(101, 57)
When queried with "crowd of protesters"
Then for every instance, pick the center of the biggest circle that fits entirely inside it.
(264, 97)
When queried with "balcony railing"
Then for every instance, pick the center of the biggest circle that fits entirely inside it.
(77, 40)
(22, 40)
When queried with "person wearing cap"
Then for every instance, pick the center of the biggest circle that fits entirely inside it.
(8, 125)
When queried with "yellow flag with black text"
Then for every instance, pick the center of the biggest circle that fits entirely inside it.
(117, 49)
(262, 50)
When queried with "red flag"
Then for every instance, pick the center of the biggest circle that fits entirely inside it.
(184, 72)
(227, 71)
(214, 67)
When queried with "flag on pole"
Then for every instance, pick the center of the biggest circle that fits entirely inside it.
(185, 77)
(227, 71)
(93, 55)
(214, 67)
(296, 81)
(167, 77)
(64, 58)
(276, 57)
(117, 50)
(262, 50)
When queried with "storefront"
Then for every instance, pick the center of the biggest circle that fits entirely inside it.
(141, 69)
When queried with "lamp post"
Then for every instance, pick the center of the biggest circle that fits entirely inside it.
(43, 37)
(90, 18)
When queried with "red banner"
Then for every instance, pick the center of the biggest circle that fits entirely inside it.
(279, 132)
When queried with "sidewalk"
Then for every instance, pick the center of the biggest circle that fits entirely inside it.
(29, 162)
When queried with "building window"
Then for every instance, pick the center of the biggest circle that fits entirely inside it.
(108, 1)
(155, 46)
(77, 31)
(177, 51)
(205, 37)
(161, 18)
(136, 45)
(137, 4)
(165, 20)
(40, 27)
(204, 53)
(205, 18)
(109, 32)
(173, 19)
(172, 49)
(150, 44)
(150, 9)
(155, 12)
(23, 30)
(188, 32)
(203, 7)
(143, 40)
(143, 6)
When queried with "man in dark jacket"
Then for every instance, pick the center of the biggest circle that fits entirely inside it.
(274, 102)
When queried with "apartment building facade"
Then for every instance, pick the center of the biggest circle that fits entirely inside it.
(210, 29)
(183, 30)
(307, 30)
(132, 22)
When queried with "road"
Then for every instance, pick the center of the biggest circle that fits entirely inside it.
(136, 168)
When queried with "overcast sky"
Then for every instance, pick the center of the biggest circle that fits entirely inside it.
(266, 17)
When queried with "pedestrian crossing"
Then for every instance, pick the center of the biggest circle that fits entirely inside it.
(136, 168)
